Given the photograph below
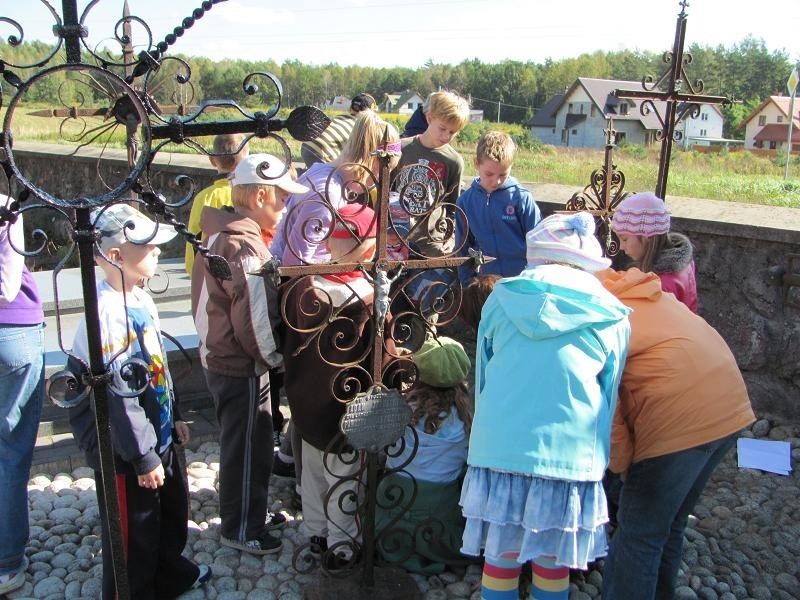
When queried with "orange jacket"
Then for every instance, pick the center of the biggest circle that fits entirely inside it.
(681, 386)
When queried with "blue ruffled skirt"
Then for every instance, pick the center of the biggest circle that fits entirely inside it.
(533, 516)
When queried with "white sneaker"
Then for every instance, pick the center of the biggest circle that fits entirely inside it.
(12, 581)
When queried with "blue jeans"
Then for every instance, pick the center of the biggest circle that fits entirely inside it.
(658, 494)
(21, 396)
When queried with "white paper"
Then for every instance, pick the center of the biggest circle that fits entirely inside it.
(767, 455)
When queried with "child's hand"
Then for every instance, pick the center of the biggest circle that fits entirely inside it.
(154, 479)
(182, 430)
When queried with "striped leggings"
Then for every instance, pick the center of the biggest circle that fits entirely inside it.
(501, 579)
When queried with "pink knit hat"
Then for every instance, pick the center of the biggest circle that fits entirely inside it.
(642, 214)
(567, 239)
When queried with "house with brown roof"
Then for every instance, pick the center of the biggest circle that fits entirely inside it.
(579, 117)
(768, 125)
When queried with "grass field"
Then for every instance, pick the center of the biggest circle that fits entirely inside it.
(729, 176)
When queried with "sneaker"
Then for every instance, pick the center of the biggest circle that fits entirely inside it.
(317, 546)
(12, 581)
(203, 577)
(274, 521)
(276, 440)
(281, 468)
(297, 500)
(336, 562)
(265, 544)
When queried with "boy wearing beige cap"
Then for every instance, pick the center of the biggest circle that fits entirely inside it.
(236, 323)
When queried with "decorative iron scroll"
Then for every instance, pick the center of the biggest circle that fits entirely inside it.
(108, 99)
(669, 88)
(603, 195)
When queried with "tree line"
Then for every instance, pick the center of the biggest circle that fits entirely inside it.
(747, 72)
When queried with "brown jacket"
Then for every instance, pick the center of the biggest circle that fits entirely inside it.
(327, 359)
(236, 320)
(681, 386)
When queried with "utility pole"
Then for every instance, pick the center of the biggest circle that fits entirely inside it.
(792, 85)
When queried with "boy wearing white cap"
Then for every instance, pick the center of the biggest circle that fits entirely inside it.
(236, 322)
(142, 412)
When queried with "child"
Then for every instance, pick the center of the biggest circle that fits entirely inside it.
(642, 224)
(427, 536)
(154, 499)
(474, 297)
(21, 396)
(682, 403)
(228, 151)
(300, 238)
(319, 352)
(499, 210)
(328, 145)
(550, 350)
(236, 323)
(430, 171)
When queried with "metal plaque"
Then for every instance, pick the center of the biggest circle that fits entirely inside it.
(375, 419)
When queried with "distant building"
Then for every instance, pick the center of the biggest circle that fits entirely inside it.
(768, 125)
(339, 103)
(404, 103)
(579, 117)
(475, 115)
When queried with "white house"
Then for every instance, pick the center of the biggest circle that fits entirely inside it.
(579, 117)
(768, 125)
(404, 103)
(703, 130)
(339, 103)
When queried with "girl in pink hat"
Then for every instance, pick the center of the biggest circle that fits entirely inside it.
(642, 224)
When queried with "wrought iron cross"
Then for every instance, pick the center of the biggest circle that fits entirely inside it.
(679, 104)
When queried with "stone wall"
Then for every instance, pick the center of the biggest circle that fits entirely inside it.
(737, 246)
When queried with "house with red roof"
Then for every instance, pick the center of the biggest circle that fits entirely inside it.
(768, 125)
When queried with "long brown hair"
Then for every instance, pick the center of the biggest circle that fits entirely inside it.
(473, 298)
(652, 246)
(435, 405)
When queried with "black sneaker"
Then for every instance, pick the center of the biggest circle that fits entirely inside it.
(203, 576)
(336, 562)
(274, 521)
(282, 469)
(265, 544)
(276, 439)
(317, 546)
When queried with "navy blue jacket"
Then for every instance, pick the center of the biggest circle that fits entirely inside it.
(498, 223)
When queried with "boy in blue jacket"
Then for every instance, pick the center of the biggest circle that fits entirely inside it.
(499, 210)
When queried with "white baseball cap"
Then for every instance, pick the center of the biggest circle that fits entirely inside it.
(122, 223)
(266, 169)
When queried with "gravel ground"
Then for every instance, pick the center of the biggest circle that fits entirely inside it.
(743, 541)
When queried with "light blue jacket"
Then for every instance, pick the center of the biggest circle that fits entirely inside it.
(551, 348)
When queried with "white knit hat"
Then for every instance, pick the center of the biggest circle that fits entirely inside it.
(642, 214)
(567, 239)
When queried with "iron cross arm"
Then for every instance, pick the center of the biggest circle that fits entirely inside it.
(667, 96)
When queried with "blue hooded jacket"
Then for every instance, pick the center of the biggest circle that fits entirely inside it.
(498, 223)
(551, 349)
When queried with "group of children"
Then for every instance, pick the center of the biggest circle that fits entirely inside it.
(556, 342)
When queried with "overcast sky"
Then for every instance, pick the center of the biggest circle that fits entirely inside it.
(384, 33)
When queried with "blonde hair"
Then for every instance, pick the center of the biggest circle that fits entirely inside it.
(497, 146)
(242, 193)
(435, 404)
(448, 107)
(227, 152)
(368, 133)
